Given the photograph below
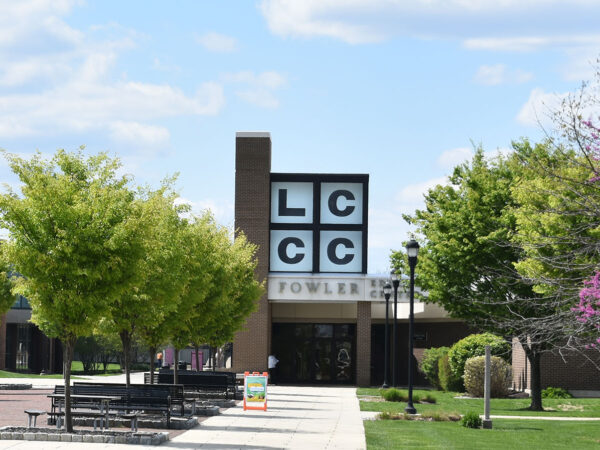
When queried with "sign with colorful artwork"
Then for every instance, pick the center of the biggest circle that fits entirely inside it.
(255, 390)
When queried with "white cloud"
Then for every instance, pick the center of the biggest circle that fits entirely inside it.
(31, 24)
(258, 89)
(140, 135)
(159, 65)
(216, 42)
(530, 43)
(500, 74)
(413, 193)
(491, 25)
(68, 83)
(539, 107)
(452, 158)
(223, 211)
(388, 229)
(79, 106)
(501, 151)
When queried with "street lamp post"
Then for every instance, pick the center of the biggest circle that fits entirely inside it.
(387, 291)
(395, 283)
(412, 251)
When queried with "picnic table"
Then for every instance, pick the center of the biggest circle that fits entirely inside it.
(101, 402)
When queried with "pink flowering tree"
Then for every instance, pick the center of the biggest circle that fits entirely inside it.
(588, 309)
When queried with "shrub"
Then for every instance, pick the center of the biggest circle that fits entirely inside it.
(474, 378)
(394, 395)
(474, 345)
(433, 416)
(471, 420)
(449, 381)
(428, 399)
(140, 366)
(553, 392)
(429, 365)
(440, 416)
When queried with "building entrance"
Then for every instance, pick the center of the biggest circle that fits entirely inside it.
(314, 352)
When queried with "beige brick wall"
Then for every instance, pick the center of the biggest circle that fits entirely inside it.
(251, 346)
(363, 343)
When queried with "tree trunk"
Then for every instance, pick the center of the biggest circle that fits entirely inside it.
(152, 355)
(175, 364)
(68, 348)
(126, 343)
(197, 350)
(214, 361)
(535, 359)
(210, 349)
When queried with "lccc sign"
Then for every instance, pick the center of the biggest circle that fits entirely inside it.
(318, 223)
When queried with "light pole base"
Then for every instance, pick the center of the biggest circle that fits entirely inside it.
(384, 386)
(487, 424)
(410, 409)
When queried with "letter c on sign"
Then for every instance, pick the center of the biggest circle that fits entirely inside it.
(332, 203)
(282, 250)
(333, 246)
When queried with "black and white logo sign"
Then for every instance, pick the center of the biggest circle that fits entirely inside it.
(318, 223)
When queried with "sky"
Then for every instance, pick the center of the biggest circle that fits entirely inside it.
(400, 90)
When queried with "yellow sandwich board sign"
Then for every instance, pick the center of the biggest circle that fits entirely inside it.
(255, 390)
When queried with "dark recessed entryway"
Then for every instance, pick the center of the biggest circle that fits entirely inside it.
(314, 353)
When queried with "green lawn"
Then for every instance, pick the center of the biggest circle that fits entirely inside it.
(511, 434)
(573, 407)
(77, 366)
(6, 374)
(506, 433)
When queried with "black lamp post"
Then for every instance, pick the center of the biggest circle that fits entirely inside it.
(395, 283)
(412, 251)
(387, 291)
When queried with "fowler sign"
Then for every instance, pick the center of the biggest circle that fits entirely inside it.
(318, 223)
(322, 288)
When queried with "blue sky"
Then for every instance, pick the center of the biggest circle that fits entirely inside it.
(396, 89)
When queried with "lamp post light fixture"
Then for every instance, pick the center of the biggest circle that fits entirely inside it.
(412, 251)
(395, 283)
(387, 291)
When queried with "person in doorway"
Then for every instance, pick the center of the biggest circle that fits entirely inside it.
(272, 364)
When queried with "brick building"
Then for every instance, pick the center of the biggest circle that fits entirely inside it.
(323, 315)
(577, 372)
(23, 346)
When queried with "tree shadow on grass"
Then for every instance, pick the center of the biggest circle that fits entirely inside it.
(517, 428)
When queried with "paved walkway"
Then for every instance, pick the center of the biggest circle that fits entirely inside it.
(310, 418)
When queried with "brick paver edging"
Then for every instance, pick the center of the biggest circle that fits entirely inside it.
(110, 437)
(15, 387)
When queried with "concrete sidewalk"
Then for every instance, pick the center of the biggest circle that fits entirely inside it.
(297, 417)
(49, 383)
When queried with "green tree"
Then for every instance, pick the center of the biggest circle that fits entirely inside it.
(201, 237)
(159, 283)
(238, 299)
(72, 239)
(469, 257)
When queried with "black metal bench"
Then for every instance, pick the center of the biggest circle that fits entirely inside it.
(136, 397)
(206, 381)
(140, 394)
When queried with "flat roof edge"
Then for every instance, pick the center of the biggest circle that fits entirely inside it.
(252, 134)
